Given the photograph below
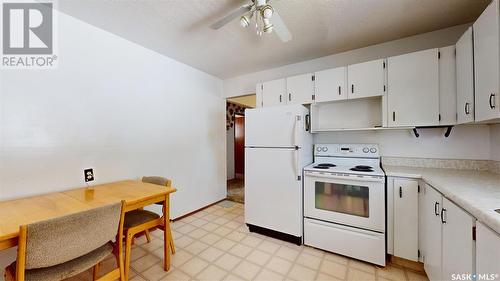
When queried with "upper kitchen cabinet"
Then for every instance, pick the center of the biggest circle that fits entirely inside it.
(413, 89)
(330, 84)
(366, 79)
(465, 78)
(486, 64)
(300, 89)
(274, 92)
(447, 86)
(258, 96)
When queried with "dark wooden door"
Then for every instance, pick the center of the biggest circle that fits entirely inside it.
(239, 145)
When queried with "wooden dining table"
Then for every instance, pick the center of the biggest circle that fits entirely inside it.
(135, 193)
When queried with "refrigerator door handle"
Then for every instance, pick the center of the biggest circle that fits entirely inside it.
(294, 142)
(296, 163)
(295, 123)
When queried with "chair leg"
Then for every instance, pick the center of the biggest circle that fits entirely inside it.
(172, 246)
(121, 267)
(128, 250)
(95, 272)
(148, 236)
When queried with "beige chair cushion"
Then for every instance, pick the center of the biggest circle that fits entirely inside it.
(157, 180)
(59, 240)
(67, 269)
(138, 217)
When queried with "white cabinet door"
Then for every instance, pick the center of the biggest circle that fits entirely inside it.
(447, 86)
(413, 89)
(406, 219)
(487, 251)
(458, 243)
(258, 95)
(300, 89)
(486, 63)
(465, 78)
(432, 232)
(274, 92)
(330, 84)
(366, 79)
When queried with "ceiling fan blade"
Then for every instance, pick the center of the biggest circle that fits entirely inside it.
(280, 28)
(234, 14)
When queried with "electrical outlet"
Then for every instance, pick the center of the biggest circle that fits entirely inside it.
(88, 174)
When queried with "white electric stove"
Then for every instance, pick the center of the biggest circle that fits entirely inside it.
(344, 201)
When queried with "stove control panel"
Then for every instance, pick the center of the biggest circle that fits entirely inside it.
(347, 150)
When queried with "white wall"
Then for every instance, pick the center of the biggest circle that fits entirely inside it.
(230, 153)
(495, 142)
(115, 106)
(464, 142)
(245, 84)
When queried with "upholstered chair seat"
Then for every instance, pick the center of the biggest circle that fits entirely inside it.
(138, 217)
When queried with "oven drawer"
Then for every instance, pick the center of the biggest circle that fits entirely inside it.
(352, 242)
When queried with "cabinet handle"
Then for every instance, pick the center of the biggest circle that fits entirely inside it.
(339, 91)
(492, 101)
(280, 99)
(394, 116)
(289, 97)
(400, 192)
(443, 215)
(436, 209)
(467, 111)
(352, 88)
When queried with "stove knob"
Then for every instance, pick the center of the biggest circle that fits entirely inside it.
(325, 149)
(373, 150)
(318, 149)
(366, 150)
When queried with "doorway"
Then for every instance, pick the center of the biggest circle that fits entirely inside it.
(239, 146)
(235, 125)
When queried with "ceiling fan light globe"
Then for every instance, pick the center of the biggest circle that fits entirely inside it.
(267, 12)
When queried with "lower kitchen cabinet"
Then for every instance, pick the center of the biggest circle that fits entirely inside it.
(458, 240)
(487, 252)
(431, 231)
(405, 194)
(447, 235)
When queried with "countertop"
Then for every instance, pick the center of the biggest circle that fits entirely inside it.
(477, 192)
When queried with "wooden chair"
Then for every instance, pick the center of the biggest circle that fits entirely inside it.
(142, 221)
(63, 247)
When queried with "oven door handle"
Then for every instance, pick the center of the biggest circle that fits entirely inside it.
(317, 175)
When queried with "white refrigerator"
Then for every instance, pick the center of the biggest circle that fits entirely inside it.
(278, 144)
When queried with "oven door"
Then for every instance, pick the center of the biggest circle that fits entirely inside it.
(358, 202)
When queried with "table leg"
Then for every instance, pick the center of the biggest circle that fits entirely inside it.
(166, 233)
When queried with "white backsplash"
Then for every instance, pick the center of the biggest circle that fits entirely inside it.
(458, 164)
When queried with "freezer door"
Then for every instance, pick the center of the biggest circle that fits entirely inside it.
(273, 193)
(278, 126)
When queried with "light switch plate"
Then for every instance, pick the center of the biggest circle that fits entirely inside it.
(88, 174)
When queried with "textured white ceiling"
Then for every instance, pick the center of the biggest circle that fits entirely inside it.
(179, 28)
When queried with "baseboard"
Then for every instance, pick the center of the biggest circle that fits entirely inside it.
(197, 210)
(275, 234)
(413, 265)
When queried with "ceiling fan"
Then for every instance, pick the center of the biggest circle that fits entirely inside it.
(262, 15)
